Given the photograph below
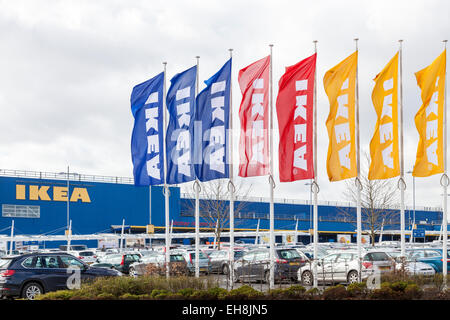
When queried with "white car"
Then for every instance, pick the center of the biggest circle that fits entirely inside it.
(412, 267)
(87, 256)
(344, 267)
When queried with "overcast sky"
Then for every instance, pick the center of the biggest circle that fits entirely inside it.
(67, 69)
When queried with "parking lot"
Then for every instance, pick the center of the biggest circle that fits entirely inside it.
(293, 264)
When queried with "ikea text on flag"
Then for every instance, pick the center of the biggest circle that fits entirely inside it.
(254, 117)
(295, 121)
(147, 137)
(179, 137)
(430, 119)
(384, 145)
(339, 83)
(211, 125)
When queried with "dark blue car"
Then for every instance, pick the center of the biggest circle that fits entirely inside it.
(29, 275)
(431, 256)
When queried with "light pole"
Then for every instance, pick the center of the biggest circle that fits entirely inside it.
(310, 208)
(68, 193)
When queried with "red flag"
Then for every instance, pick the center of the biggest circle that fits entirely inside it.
(254, 116)
(295, 121)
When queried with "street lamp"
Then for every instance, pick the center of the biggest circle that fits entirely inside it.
(68, 173)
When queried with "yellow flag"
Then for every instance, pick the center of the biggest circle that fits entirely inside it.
(430, 119)
(339, 83)
(384, 144)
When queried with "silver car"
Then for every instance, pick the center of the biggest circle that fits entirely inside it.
(344, 267)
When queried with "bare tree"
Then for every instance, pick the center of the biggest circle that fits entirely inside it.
(379, 201)
(215, 204)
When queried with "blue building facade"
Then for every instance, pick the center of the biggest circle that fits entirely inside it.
(38, 205)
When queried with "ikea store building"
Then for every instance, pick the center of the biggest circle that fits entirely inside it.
(37, 202)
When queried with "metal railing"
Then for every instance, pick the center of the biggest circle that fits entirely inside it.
(63, 176)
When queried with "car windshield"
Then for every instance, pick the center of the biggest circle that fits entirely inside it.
(238, 254)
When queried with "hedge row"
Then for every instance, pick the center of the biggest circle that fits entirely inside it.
(188, 288)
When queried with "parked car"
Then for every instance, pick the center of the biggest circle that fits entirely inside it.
(430, 256)
(189, 257)
(120, 261)
(29, 275)
(88, 256)
(412, 267)
(73, 247)
(255, 265)
(220, 260)
(345, 266)
(177, 261)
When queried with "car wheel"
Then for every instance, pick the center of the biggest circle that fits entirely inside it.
(32, 290)
(132, 273)
(225, 269)
(307, 278)
(352, 277)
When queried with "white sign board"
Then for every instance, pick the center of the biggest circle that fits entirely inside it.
(344, 238)
(107, 244)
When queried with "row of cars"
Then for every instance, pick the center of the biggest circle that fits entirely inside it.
(29, 274)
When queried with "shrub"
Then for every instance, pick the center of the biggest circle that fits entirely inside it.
(129, 296)
(412, 291)
(105, 296)
(357, 290)
(159, 293)
(186, 292)
(217, 292)
(335, 293)
(276, 294)
(243, 293)
(57, 295)
(399, 286)
(312, 293)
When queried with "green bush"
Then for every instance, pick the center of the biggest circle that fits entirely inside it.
(186, 292)
(129, 296)
(276, 294)
(335, 293)
(57, 295)
(357, 290)
(412, 291)
(159, 293)
(312, 293)
(105, 296)
(243, 293)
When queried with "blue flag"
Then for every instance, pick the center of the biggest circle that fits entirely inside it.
(147, 137)
(211, 126)
(180, 130)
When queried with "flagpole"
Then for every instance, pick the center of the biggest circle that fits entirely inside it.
(271, 180)
(445, 182)
(314, 185)
(197, 189)
(401, 182)
(358, 171)
(231, 187)
(166, 187)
